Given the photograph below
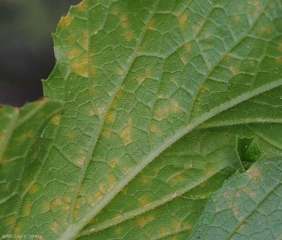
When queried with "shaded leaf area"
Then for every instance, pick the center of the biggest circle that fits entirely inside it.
(135, 77)
(248, 206)
(20, 130)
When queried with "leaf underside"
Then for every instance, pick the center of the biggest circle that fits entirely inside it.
(156, 95)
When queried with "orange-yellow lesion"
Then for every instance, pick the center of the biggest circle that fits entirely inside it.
(111, 117)
(113, 163)
(85, 39)
(80, 65)
(33, 189)
(162, 113)
(106, 133)
(65, 21)
(140, 79)
(56, 119)
(155, 130)
(236, 18)
(129, 36)
(144, 220)
(235, 70)
(72, 136)
(2, 136)
(11, 220)
(27, 208)
(176, 179)
(81, 7)
(151, 24)
(266, 29)
(54, 227)
(175, 107)
(143, 201)
(80, 161)
(73, 53)
(126, 132)
(163, 231)
(111, 180)
(176, 225)
(182, 19)
(280, 47)
(187, 47)
(17, 229)
(279, 60)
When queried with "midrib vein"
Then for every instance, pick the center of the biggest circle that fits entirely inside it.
(101, 123)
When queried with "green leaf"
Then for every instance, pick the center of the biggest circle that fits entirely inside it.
(248, 206)
(141, 81)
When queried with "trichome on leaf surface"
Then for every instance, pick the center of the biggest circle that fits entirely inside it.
(151, 107)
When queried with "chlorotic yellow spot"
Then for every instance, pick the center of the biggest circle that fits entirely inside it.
(202, 90)
(65, 21)
(85, 39)
(113, 163)
(102, 188)
(140, 79)
(27, 208)
(126, 132)
(91, 112)
(234, 70)
(73, 53)
(99, 195)
(72, 136)
(65, 207)
(254, 174)
(71, 40)
(118, 231)
(145, 179)
(56, 119)
(126, 170)
(187, 47)
(124, 25)
(124, 21)
(3, 160)
(57, 201)
(111, 117)
(176, 225)
(106, 133)
(143, 201)
(149, 73)
(142, 221)
(184, 59)
(129, 36)
(34, 189)
(182, 19)
(114, 11)
(120, 71)
(17, 229)
(72, 188)
(92, 71)
(46, 207)
(266, 29)
(11, 220)
(82, 6)
(279, 60)
(162, 113)
(175, 179)
(80, 66)
(124, 190)
(175, 108)
(55, 227)
(280, 47)
(92, 90)
(202, 184)
(111, 181)
(91, 200)
(155, 130)
(2, 136)
(209, 172)
(163, 231)
(80, 162)
(236, 18)
(151, 24)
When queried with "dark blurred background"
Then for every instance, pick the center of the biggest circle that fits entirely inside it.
(26, 46)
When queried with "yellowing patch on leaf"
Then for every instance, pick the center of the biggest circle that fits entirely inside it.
(111, 117)
(176, 225)
(111, 181)
(118, 231)
(56, 119)
(65, 21)
(162, 113)
(129, 36)
(54, 227)
(280, 47)
(254, 174)
(143, 201)
(91, 200)
(82, 6)
(17, 229)
(155, 130)
(79, 67)
(57, 201)
(2, 136)
(175, 179)
(187, 47)
(236, 18)
(113, 163)
(209, 172)
(234, 70)
(267, 29)
(140, 79)
(46, 207)
(145, 180)
(126, 132)
(11, 220)
(72, 136)
(73, 53)
(279, 60)
(92, 71)
(33, 189)
(182, 19)
(106, 133)
(175, 108)
(99, 195)
(163, 231)
(27, 208)
(85, 39)
(80, 161)
(151, 24)
(142, 221)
